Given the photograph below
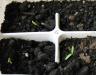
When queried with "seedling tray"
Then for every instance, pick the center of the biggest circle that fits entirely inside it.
(55, 36)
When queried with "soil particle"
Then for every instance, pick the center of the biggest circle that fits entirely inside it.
(85, 58)
(93, 45)
(72, 18)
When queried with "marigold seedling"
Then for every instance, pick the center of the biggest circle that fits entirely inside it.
(72, 50)
(68, 56)
(71, 53)
(34, 23)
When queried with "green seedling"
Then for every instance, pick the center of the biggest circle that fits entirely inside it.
(68, 56)
(72, 50)
(34, 23)
(9, 60)
(71, 53)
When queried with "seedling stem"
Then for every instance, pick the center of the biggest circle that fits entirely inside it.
(9, 60)
(33, 22)
(71, 53)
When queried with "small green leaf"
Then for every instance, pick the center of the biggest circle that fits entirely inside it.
(72, 50)
(34, 23)
(9, 60)
(71, 53)
(68, 56)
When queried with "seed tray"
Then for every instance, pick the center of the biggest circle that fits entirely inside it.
(55, 36)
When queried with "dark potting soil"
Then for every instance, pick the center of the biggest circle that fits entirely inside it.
(40, 16)
(78, 16)
(27, 57)
(82, 60)
(28, 17)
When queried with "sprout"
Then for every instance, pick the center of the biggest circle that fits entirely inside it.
(71, 53)
(68, 56)
(9, 60)
(72, 50)
(33, 22)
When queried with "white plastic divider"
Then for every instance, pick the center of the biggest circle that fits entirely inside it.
(40, 36)
(63, 36)
(55, 36)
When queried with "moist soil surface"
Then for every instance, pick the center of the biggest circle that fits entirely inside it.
(28, 17)
(78, 56)
(40, 16)
(26, 57)
(78, 16)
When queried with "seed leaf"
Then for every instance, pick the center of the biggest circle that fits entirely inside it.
(71, 53)
(68, 56)
(72, 50)
(33, 22)
(9, 60)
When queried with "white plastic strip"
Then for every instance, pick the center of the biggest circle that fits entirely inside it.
(57, 21)
(57, 53)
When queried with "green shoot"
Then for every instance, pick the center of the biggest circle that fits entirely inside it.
(68, 56)
(71, 53)
(33, 22)
(72, 50)
(9, 60)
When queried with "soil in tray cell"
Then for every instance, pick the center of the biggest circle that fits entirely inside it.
(78, 16)
(40, 16)
(28, 17)
(26, 57)
(78, 56)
